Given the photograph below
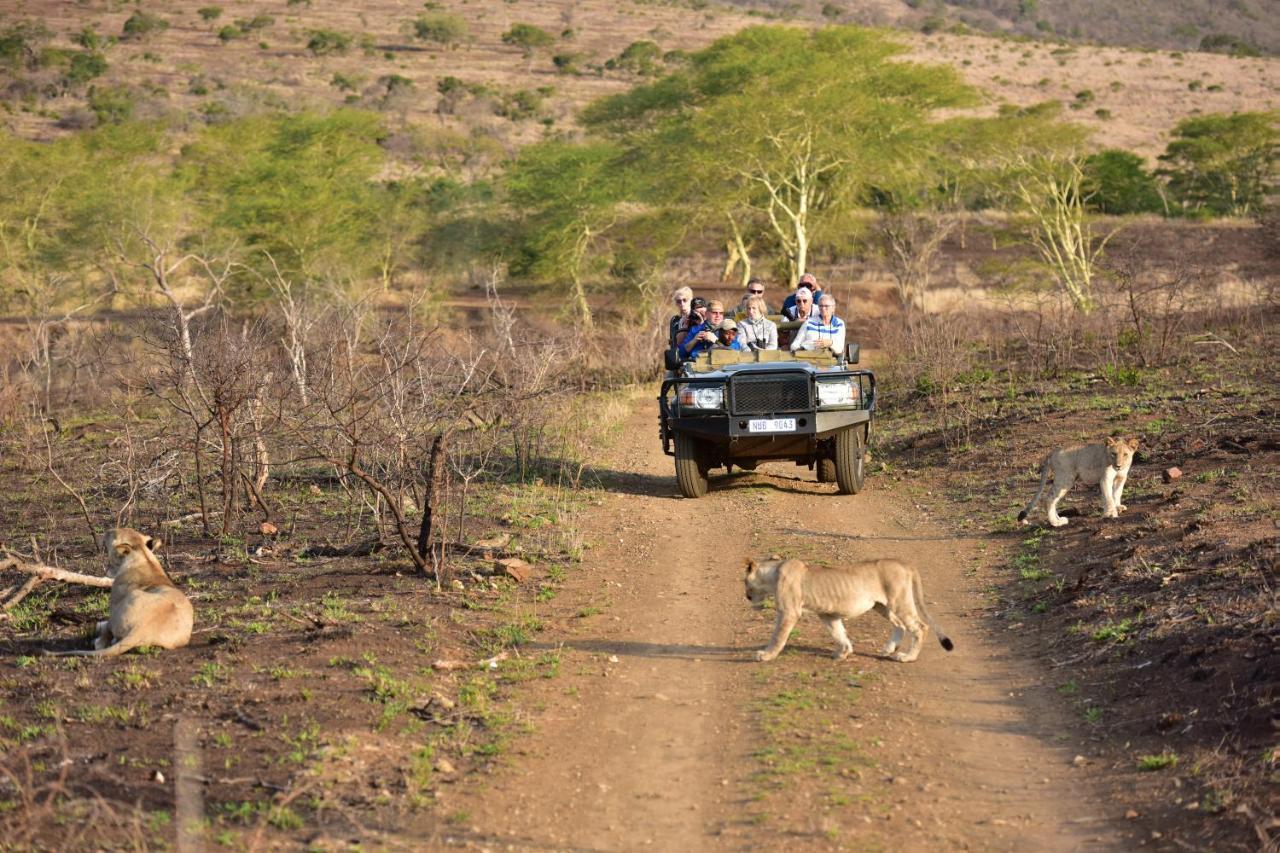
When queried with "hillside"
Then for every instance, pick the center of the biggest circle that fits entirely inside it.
(1237, 25)
(448, 65)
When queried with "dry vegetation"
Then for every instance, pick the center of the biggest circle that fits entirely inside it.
(338, 530)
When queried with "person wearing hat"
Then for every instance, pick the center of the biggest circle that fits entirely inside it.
(810, 282)
(727, 337)
(803, 305)
(702, 331)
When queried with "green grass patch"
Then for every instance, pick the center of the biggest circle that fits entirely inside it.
(1163, 761)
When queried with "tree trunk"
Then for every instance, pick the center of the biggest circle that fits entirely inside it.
(426, 529)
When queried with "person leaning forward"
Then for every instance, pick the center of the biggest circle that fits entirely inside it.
(728, 336)
(702, 330)
(810, 282)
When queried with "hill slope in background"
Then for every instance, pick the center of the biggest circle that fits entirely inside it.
(214, 63)
(1167, 24)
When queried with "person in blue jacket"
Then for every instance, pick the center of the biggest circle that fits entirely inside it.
(702, 331)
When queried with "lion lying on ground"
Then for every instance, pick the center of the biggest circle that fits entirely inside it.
(1107, 465)
(146, 608)
(889, 587)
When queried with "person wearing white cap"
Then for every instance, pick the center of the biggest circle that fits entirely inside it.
(802, 305)
(810, 281)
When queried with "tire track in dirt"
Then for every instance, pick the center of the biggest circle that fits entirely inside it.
(646, 737)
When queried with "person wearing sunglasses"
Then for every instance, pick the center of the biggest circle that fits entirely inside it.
(803, 305)
(755, 287)
(810, 282)
(682, 299)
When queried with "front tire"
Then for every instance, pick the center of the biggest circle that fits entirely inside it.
(826, 469)
(691, 474)
(850, 452)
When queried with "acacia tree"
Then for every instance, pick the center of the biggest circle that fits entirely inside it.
(1223, 164)
(569, 195)
(788, 125)
(58, 203)
(1050, 190)
(300, 189)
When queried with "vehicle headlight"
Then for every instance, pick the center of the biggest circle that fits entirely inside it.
(702, 396)
(840, 392)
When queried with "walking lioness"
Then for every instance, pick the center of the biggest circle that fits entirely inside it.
(886, 586)
(146, 608)
(1107, 465)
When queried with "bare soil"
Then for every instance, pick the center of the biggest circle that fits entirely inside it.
(662, 730)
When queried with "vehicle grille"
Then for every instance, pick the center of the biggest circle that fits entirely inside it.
(759, 395)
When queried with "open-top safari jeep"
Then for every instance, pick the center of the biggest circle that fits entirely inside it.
(729, 408)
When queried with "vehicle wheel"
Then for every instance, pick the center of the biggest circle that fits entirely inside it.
(690, 473)
(848, 461)
(747, 464)
(826, 470)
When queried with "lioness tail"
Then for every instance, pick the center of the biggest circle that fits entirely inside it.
(918, 591)
(109, 652)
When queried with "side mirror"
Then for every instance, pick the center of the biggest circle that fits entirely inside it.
(671, 358)
(852, 352)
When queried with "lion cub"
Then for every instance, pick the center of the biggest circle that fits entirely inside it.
(146, 608)
(889, 587)
(1107, 465)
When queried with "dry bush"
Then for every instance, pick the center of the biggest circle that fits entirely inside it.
(1155, 308)
(214, 376)
(910, 244)
(940, 357)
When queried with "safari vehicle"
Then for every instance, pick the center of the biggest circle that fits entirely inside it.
(729, 408)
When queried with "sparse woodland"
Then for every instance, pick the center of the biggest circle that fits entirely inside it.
(283, 332)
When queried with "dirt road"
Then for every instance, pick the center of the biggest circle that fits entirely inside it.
(662, 732)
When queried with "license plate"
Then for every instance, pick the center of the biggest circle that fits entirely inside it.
(771, 425)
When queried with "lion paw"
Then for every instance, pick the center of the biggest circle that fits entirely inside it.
(1058, 522)
(1121, 508)
(763, 655)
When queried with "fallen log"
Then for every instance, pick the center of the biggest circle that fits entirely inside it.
(40, 573)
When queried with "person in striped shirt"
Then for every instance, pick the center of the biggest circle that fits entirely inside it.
(826, 331)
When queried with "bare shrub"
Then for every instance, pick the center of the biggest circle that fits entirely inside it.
(909, 243)
(375, 416)
(211, 375)
(1156, 307)
(936, 356)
